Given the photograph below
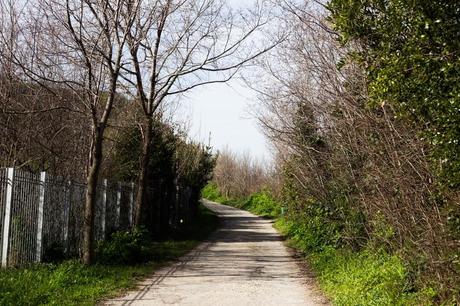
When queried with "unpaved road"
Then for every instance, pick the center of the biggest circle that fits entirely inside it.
(243, 263)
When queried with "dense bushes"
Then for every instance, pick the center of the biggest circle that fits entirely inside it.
(409, 50)
(177, 171)
(262, 204)
(125, 247)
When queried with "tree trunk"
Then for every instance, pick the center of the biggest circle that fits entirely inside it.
(144, 163)
(95, 159)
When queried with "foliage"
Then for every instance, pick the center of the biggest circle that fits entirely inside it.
(172, 156)
(211, 193)
(260, 203)
(127, 149)
(125, 247)
(195, 164)
(176, 166)
(410, 52)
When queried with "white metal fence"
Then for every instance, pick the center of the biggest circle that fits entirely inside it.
(42, 216)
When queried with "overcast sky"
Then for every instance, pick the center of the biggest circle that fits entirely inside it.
(224, 111)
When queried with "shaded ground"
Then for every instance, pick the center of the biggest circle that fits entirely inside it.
(243, 263)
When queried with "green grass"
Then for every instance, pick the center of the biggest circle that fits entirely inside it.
(71, 283)
(358, 278)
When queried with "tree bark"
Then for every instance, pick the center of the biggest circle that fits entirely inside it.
(144, 163)
(95, 160)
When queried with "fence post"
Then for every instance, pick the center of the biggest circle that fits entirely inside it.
(131, 206)
(67, 197)
(118, 206)
(104, 208)
(41, 204)
(7, 219)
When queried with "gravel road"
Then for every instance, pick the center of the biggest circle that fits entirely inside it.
(243, 263)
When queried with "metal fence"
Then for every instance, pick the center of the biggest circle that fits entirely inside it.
(42, 216)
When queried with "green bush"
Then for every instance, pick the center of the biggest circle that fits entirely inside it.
(409, 50)
(310, 234)
(211, 192)
(125, 247)
(263, 204)
(260, 203)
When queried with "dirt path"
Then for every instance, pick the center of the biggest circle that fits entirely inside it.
(243, 263)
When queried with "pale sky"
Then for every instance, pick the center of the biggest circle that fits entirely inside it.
(224, 110)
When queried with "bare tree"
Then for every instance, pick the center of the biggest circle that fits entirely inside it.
(75, 50)
(240, 175)
(178, 45)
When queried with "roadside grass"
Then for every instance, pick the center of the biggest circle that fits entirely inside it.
(72, 283)
(367, 277)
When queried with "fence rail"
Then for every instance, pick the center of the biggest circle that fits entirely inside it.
(41, 215)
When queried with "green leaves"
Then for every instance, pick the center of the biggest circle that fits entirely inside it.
(411, 51)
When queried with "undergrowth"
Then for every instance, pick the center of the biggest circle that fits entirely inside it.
(365, 277)
(348, 277)
(122, 261)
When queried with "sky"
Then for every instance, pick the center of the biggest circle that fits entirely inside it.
(222, 113)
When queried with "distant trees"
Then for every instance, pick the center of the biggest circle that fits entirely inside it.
(238, 176)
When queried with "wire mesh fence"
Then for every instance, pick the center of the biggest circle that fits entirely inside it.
(41, 216)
